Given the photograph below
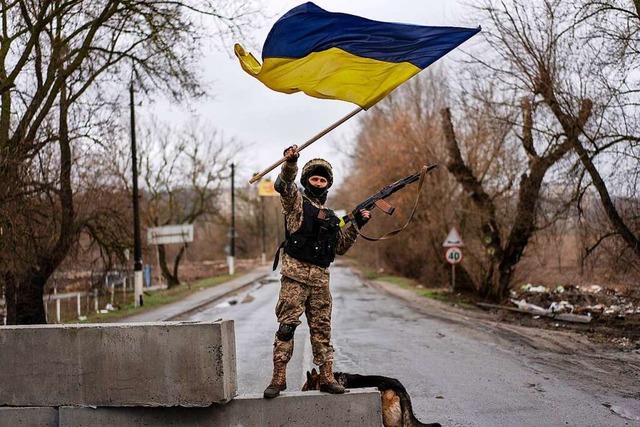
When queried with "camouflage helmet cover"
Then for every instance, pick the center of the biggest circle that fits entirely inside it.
(318, 167)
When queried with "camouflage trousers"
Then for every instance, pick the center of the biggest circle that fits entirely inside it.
(315, 302)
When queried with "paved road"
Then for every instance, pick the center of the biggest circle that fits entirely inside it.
(175, 310)
(456, 375)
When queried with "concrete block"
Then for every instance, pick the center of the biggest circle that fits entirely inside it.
(41, 417)
(358, 408)
(141, 364)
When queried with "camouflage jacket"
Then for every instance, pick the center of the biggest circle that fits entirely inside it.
(291, 198)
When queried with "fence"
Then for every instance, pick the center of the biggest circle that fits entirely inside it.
(117, 291)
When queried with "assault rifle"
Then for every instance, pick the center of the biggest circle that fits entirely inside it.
(377, 200)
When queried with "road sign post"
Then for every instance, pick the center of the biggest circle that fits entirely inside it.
(167, 235)
(453, 254)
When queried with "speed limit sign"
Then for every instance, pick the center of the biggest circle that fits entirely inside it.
(453, 255)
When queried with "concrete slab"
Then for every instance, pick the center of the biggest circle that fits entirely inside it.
(142, 364)
(41, 417)
(358, 408)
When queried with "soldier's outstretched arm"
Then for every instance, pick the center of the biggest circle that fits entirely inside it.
(285, 185)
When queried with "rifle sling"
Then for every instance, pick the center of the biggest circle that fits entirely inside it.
(390, 234)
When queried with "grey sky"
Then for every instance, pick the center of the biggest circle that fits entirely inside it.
(269, 121)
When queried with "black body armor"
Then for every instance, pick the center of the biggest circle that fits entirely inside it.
(316, 239)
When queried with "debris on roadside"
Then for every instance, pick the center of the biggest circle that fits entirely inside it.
(589, 300)
(524, 307)
(573, 303)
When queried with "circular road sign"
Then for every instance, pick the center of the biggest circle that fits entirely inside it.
(453, 255)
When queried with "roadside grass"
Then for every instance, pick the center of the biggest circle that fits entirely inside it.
(157, 298)
(438, 294)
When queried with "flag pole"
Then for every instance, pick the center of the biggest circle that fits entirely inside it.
(306, 144)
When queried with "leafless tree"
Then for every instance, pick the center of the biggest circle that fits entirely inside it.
(578, 114)
(59, 60)
(504, 254)
(183, 171)
(539, 111)
(610, 151)
(590, 57)
(533, 70)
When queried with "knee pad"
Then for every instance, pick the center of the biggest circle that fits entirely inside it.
(285, 332)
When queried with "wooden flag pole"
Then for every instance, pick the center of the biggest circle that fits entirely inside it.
(306, 144)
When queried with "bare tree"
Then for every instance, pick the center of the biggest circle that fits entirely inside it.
(530, 60)
(525, 106)
(575, 58)
(504, 255)
(57, 60)
(183, 172)
(610, 29)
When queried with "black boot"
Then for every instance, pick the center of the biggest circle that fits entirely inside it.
(278, 382)
(328, 383)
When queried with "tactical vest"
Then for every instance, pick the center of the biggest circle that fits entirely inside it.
(316, 239)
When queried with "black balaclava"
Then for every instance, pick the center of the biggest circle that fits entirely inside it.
(319, 167)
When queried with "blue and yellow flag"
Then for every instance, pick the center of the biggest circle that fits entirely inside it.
(340, 56)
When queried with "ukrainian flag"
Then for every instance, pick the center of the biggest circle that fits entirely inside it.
(340, 56)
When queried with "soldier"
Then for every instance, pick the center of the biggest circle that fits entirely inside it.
(313, 238)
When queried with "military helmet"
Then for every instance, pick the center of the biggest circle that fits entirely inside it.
(318, 167)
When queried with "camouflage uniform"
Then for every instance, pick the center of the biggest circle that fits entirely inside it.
(305, 286)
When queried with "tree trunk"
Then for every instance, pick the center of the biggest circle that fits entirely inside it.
(31, 283)
(573, 128)
(169, 277)
(29, 302)
(176, 262)
(491, 233)
(503, 257)
(616, 221)
(523, 226)
(490, 284)
(10, 292)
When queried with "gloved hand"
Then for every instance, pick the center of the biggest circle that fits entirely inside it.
(291, 153)
(362, 217)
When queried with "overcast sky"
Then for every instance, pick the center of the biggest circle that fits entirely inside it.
(268, 121)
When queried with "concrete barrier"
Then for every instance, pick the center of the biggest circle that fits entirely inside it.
(41, 417)
(142, 364)
(358, 408)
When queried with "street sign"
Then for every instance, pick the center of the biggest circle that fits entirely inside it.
(453, 255)
(453, 239)
(265, 189)
(170, 234)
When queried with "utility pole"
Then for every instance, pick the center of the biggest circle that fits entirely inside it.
(231, 259)
(264, 236)
(137, 246)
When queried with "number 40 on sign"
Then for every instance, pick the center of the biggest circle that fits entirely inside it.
(453, 255)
